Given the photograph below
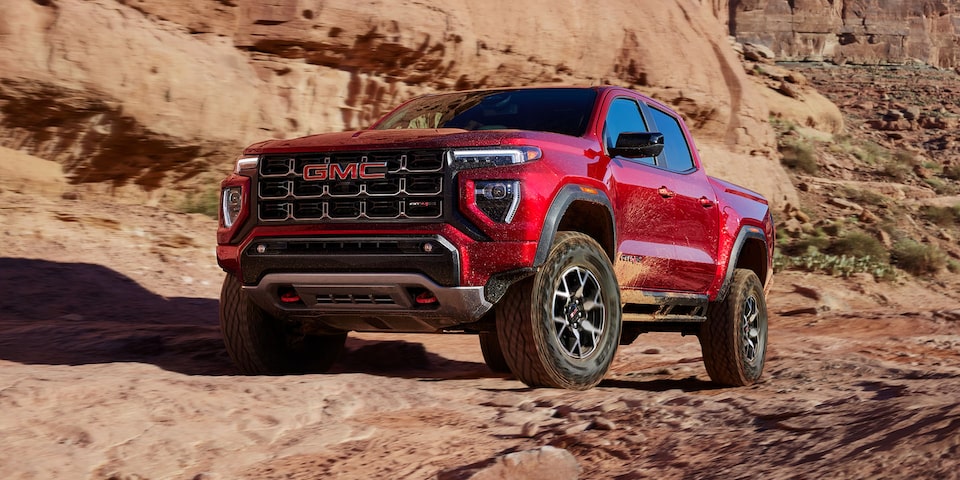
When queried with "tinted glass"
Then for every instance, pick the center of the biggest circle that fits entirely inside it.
(675, 146)
(622, 116)
(558, 110)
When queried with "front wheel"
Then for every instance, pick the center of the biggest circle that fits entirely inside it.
(261, 344)
(561, 327)
(734, 337)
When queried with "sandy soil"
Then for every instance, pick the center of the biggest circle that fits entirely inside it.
(112, 366)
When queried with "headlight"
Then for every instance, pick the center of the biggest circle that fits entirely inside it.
(231, 201)
(495, 156)
(246, 163)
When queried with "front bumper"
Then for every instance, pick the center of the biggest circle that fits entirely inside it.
(368, 302)
(429, 255)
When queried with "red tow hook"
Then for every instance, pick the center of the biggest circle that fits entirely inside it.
(289, 296)
(426, 298)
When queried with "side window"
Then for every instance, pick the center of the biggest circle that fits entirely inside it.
(623, 116)
(675, 148)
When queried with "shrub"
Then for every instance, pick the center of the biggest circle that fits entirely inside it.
(905, 157)
(799, 154)
(951, 172)
(917, 258)
(868, 197)
(819, 242)
(871, 153)
(943, 216)
(860, 244)
(896, 170)
(941, 187)
(953, 266)
(841, 266)
(206, 202)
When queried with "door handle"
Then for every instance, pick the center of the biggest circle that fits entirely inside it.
(706, 202)
(666, 192)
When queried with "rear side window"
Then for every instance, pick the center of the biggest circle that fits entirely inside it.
(676, 149)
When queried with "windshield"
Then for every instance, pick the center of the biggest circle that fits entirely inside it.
(558, 110)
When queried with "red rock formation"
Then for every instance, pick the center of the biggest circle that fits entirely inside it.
(856, 31)
(169, 87)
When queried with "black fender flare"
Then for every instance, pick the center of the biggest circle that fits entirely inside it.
(747, 232)
(551, 222)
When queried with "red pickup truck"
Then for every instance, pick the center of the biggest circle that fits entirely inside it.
(556, 223)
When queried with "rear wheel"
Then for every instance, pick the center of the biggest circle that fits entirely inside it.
(561, 327)
(261, 344)
(734, 337)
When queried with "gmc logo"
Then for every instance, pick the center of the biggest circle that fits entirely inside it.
(349, 171)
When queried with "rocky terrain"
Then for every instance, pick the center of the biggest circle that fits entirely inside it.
(112, 365)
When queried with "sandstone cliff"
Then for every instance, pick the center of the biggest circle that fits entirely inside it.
(856, 31)
(149, 93)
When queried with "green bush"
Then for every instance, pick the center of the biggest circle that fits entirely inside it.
(206, 202)
(953, 266)
(838, 266)
(860, 244)
(871, 153)
(897, 171)
(918, 258)
(905, 157)
(943, 216)
(941, 187)
(799, 154)
(951, 172)
(867, 197)
(817, 242)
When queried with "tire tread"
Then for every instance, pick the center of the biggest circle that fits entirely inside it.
(520, 337)
(718, 335)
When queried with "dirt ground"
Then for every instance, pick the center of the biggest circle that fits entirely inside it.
(112, 366)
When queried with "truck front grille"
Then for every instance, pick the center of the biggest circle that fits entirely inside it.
(351, 186)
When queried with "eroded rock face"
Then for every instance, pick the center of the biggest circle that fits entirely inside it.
(185, 83)
(856, 31)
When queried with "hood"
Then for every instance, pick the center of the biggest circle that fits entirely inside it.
(395, 139)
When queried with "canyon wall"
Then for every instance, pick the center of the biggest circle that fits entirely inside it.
(153, 94)
(854, 31)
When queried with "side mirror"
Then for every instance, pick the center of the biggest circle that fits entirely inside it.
(638, 145)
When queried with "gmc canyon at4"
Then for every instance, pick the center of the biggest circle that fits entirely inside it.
(555, 223)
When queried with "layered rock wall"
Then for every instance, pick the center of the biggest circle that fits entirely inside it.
(855, 31)
(156, 92)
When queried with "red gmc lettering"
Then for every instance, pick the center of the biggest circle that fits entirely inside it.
(350, 171)
(364, 174)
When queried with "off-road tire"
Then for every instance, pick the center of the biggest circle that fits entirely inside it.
(492, 353)
(262, 345)
(734, 337)
(540, 319)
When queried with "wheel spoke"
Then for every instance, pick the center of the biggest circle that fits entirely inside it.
(582, 277)
(750, 328)
(594, 332)
(577, 347)
(595, 302)
(565, 291)
(578, 312)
